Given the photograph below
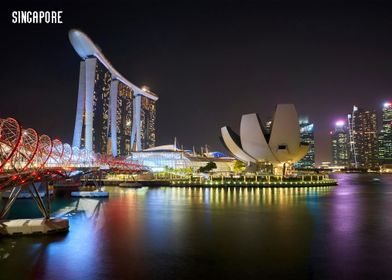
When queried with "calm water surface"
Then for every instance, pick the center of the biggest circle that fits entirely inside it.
(342, 232)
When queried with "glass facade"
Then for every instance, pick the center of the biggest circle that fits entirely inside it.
(385, 136)
(307, 136)
(147, 122)
(101, 101)
(161, 161)
(363, 126)
(268, 126)
(124, 118)
(340, 145)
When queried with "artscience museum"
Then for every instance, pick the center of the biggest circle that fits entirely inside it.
(279, 148)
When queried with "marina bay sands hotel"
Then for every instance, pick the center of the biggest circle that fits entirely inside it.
(113, 116)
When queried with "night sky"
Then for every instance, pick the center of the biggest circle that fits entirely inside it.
(209, 62)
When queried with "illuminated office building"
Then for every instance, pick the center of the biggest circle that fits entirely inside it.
(363, 138)
(307, 136)
(113, 116)
(340, 145)
(385, 136)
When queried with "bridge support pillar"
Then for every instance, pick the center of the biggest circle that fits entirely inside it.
(36, 196)
(31, 226)
(11, 200)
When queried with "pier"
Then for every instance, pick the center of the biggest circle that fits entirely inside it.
(225, 181)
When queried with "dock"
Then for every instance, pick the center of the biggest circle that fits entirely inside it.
(90, 194)
(33, 226)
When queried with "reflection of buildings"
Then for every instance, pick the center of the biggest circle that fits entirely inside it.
(385, 136)
(113, 116)
(363, 138)
(231, 197)
(340, 145)
(169, 157)
(90, 208)
(307, 136)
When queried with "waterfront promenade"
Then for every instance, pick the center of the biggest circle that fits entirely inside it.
(175, 180)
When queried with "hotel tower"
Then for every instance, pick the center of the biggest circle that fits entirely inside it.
(113, 116)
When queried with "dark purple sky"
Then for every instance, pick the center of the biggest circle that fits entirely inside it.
(210, 62)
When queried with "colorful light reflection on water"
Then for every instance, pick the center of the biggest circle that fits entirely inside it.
(192, 233)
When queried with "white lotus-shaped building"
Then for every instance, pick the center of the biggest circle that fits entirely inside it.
(254, 145)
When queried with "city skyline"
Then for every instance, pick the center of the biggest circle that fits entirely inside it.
(200, 68)
(362, 139)
(197, 139)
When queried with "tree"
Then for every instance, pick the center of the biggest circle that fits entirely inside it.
(239, 166)
(185, 170)
(209, 167)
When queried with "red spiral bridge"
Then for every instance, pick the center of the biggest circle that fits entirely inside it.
(27, 158)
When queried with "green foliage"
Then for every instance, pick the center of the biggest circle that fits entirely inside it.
(239, 166)
(187, 170)
(168, 169)
(209, 167)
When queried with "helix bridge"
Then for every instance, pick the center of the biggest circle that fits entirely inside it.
(28, 159)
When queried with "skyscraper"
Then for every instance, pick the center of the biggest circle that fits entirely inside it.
(363, 138)
(340, 144)
(147, 117)
(121, 118)
(113, 116)
(93, 109)
(307, 136)
(385, 136)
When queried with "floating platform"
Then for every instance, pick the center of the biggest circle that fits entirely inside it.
(33, 226)
(24, 195)
(96, 194)
(134, 185)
